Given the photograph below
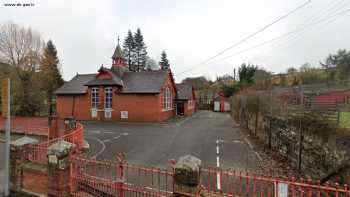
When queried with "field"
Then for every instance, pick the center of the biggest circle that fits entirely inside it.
(345, 119)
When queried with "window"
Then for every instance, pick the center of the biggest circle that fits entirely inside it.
(167, 104)
(108, 97)
(94, 98)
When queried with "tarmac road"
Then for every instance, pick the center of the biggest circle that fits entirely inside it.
(210, 136)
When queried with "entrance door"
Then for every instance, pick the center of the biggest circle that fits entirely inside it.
(180, 108)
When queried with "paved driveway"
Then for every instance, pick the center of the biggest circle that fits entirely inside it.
(210, 136)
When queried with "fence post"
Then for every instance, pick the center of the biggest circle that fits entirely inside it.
(187, 177)
(120, 181)
(58, 169)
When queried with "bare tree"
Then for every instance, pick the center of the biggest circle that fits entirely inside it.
(20, 46)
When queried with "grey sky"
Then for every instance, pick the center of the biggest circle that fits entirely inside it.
(85, 31)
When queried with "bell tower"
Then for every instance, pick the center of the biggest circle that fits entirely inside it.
(118, 57)
(119, 65)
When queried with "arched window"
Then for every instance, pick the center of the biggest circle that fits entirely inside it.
(167, 101)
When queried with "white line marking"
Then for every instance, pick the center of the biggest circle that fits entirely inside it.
(217, 162)
(125, 134)
(106, 140)
(217, 149)
(249, 144)
(217, 141)
(102, 149)
(117, 137)
(257, 154)
(218, 183)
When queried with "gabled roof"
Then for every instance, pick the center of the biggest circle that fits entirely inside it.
(144, 81)
(114, 80)
(132, 82)
(117, 53)
(75, 85)
(184, 91)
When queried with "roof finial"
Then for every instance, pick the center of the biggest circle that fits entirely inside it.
(118, 39)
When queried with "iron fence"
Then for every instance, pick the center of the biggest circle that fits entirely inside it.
(118, 178)
(217, 181)
(37, 153)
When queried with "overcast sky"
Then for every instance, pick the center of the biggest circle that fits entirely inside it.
(85, 31)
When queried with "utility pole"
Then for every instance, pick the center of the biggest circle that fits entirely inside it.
(6, 113)
(234, 74)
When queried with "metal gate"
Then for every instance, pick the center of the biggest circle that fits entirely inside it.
(90, 177)
(105, 178)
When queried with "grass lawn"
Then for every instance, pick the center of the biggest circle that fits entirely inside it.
(345, 119)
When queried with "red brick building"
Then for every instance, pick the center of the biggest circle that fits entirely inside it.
(119, 95)
(185, 99)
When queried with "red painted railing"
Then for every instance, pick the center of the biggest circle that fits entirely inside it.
(91, 177)
(38, 153)
(234, 183)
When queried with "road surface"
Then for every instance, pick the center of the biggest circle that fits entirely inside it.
(210, 136)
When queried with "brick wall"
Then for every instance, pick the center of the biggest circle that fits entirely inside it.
(35, 181)
(81, 103)
(189, 110)
(140, 107)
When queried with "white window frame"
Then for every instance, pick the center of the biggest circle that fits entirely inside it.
(108, 98)
(94, 98)
(167, 99)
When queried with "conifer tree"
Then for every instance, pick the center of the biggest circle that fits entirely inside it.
(164, 62)
(129, 50)
(51, 78)
(140, 51)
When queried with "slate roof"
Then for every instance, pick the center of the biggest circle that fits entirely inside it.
(115, 80)
(117, 53)
(144, 82)
(132, 82)
(184, 91)
(75, 85)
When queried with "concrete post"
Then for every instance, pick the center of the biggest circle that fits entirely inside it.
(187, 177)
(58, 168)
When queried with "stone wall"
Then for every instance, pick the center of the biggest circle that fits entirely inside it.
(325, 150)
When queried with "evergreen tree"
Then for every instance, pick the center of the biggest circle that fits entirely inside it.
(129, 50)
(246, 73)
(140, 51)
(164, 62)
(50, 75)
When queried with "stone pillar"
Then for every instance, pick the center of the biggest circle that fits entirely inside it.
(187, 177)
(58, 168)
(17, 159)
(69, 124)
